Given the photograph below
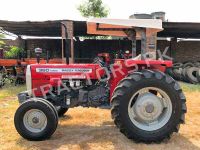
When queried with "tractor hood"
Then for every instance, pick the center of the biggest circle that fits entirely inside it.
(64, 71)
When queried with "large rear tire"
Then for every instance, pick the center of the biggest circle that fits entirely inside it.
(35, 120)
(148, 106)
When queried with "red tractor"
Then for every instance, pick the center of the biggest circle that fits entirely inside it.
(146, 104)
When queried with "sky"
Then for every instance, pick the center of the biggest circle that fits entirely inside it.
(39, 10)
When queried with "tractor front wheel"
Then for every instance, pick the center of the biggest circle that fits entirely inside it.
(148, 106)
(36, 120)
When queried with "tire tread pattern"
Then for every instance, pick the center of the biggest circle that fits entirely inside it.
(135, 77)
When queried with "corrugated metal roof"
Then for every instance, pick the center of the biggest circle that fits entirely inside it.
(45, 28)
(53, 28)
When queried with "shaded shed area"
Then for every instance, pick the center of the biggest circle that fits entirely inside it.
(87, 49)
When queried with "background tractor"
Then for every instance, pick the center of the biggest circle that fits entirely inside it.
(146, 104)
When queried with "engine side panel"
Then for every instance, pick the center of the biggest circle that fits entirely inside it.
(43, 75)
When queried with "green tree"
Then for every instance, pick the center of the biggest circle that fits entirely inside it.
(1, 36)
(93, 8)
(2, 43)
(13, 52)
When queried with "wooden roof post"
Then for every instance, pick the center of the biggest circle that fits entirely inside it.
(70, 34)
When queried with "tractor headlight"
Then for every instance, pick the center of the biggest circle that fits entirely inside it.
(29, 80)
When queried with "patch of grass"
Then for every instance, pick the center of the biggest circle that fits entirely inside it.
(9, 91)
(90, 128)
(190, 87)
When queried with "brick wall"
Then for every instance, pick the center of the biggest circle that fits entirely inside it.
(54, 47)
(162, 45)
(188, 51)
(184, 51)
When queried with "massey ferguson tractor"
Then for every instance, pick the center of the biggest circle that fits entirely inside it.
(146, 104)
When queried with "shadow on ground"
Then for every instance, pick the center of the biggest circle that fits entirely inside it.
(103, 136)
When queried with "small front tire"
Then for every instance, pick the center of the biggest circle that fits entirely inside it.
(35, 120)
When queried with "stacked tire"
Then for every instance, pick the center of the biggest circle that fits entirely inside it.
(188, 72)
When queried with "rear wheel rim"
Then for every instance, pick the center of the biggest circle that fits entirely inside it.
(150, 108)
(35, 120)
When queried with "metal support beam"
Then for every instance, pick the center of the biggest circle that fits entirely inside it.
(173, 47)
(132, 36)
(133, 43)
(143, 43)
(67, 40)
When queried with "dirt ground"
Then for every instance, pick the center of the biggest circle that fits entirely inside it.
(85, 129)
